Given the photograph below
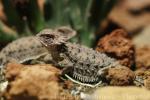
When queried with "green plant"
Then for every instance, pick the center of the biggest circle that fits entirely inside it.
(25, 17)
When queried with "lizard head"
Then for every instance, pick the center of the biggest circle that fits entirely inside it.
(55, 37)
(54, 40)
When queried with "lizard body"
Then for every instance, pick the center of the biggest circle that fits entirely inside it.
(83, 65)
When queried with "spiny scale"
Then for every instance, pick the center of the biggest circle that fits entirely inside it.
(84, 79)
(82, 64)
(87, 63)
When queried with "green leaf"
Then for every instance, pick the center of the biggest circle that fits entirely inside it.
(35, 18)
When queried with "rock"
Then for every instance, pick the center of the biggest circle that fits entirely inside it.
(35, 82)
(143, 65)
(3, 82)
(120, 76)
(12, 70)
(143, 57)
(144, 76)
(147, 83)
(120, 93)
(143, 72)
(118, 45)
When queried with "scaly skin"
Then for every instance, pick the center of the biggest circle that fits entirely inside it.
(25, 49)
(21, 50)
(28, 48)
(82, 65)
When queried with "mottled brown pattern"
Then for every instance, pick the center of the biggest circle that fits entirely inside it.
(82, 64)
(21, 50)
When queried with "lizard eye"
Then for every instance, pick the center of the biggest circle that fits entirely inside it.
(46, 40)
(47, 36)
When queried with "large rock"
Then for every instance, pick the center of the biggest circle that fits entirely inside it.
(118, 45)
(120, 76)
(34, 82)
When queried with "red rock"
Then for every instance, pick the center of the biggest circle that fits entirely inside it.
(120, 76)
(143, 57)
(118, 45)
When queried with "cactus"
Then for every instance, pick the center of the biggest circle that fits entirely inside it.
(25, 17)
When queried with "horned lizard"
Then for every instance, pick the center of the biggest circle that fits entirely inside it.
(80, 64)
(83, 65)
(27, 48)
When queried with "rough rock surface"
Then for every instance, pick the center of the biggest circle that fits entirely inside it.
(144, 75)
(120, 93)
(143, 57)
(147, 83)
(118, 45)
(144, 72)
(34, 82)
(120, 76)
(143, 64)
